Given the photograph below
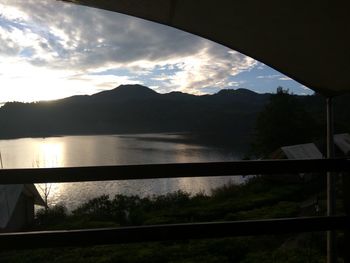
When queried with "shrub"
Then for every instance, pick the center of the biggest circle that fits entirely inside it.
(51, 216)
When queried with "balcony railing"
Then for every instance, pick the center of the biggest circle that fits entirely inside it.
(175, 231)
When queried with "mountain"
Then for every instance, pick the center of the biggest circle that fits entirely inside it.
(138, 109)
(133, 109)
(125, 92)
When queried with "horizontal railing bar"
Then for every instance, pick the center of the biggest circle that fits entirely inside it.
(174, 170)
(105, 236)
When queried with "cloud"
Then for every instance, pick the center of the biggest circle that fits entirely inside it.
(87, 38)
(305, 88)
(274, 76)
(207, 68)
(73, 43)
(236, 83)
(285, 78)
(260, 66)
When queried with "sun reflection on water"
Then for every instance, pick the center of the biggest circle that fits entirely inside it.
(50, 155)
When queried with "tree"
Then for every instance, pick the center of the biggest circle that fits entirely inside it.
(45, 189)
(283, 121)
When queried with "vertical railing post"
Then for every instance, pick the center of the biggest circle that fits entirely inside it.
(331, 198)
(346, 198)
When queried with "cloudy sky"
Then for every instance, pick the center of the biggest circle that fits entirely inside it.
(51, 50)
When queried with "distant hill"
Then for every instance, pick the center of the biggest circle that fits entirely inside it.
(138, 109)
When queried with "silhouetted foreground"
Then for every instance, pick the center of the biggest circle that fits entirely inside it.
(258, 198)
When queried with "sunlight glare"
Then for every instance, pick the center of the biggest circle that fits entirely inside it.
(50, 155)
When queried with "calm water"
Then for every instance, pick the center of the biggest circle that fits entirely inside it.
(110, 150)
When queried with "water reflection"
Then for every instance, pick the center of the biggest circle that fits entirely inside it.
(70, 151)
(50, 155)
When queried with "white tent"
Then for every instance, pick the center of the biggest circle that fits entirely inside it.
(302, 151)
(17, 205)
(343, 142)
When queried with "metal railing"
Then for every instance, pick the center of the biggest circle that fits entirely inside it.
(172, 231)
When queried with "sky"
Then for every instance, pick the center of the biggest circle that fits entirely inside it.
(51, 50)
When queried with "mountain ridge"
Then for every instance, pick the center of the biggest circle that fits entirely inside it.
(143, 91)
(131, 109)
(226, 115)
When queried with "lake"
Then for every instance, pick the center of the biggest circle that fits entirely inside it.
(70, 151)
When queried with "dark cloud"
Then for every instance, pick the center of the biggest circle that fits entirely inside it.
(93, 37)
(67, 36)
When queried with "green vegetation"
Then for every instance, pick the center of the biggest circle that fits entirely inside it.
(259, 197)
(283, 121)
